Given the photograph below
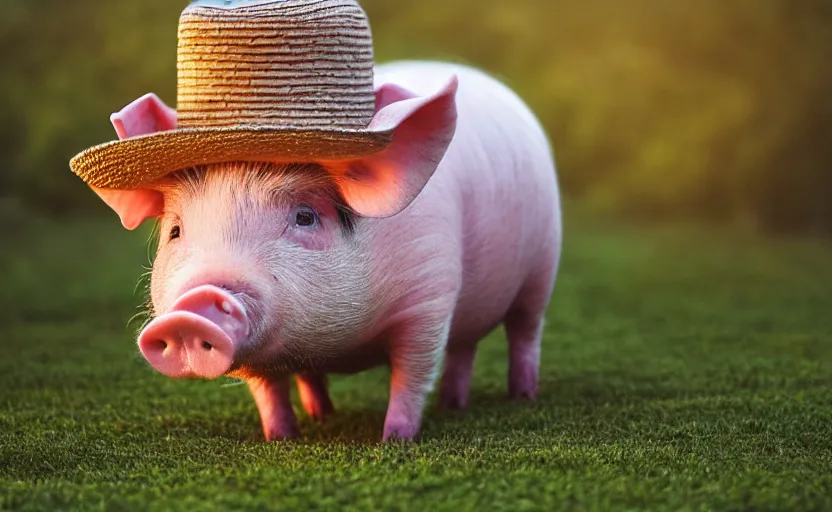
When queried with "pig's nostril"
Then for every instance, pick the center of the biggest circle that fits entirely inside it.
(162, 344)
(206, 345)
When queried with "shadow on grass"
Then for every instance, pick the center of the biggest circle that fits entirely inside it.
(490, 412)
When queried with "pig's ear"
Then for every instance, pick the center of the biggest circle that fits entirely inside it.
(145, 115)
(133, 206)
(384, 184)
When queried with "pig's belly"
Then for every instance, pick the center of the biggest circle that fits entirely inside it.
(370, 356)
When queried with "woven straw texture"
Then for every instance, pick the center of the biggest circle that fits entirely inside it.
(283, 80)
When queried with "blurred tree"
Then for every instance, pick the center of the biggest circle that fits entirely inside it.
(719, 110)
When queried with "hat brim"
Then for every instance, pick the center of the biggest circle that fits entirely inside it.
(133, 162)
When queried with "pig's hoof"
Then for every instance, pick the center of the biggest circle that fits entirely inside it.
(523, 393)
(284, 433)
(522, 385)
(399, 433)
(452, 402)
(397, 439)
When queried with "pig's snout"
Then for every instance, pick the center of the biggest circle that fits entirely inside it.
(199, 337)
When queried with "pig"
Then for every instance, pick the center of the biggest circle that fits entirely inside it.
(272, 272)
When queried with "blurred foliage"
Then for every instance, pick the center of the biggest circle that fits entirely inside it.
(698, 108)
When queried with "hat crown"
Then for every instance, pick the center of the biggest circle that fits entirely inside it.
(275, 64)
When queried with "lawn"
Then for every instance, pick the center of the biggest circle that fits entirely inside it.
(682, 369)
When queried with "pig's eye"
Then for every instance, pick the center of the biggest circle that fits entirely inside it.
(174, 232)
(304, 217)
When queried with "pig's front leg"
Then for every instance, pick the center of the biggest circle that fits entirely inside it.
(314, 395)
(415, 358)
(272, 396)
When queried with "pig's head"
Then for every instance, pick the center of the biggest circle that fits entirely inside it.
(262, 265)
(255, 262)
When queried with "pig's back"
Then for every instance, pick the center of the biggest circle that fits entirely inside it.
(492, 204)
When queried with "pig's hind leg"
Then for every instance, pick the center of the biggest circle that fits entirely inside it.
(314, 395)
(456, 378)
(524, 330)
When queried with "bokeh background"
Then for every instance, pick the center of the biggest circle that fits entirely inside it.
(703, 109)
(685, 363)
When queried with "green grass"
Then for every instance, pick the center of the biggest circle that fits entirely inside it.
(682, 369)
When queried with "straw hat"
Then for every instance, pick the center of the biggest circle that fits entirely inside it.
(258, 80)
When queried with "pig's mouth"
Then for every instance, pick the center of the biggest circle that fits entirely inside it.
(200, 337)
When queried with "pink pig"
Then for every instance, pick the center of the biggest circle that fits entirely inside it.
(266, 271)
